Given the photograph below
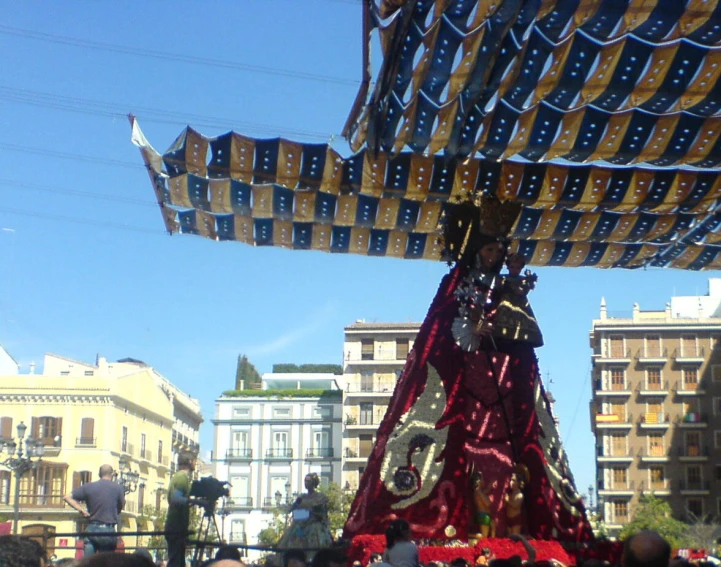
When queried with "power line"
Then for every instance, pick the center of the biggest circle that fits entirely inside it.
(205, 61)
(68, 155)
(74, 192)
(148, 114)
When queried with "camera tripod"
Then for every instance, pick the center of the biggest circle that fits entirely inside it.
(206, 521)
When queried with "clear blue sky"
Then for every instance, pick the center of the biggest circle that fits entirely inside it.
(87, 268)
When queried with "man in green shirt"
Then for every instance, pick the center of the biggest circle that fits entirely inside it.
(178, 517)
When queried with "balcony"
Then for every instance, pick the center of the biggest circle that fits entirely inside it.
(692, 453)
(615, 456)
(239, 454)
(163, 461)
(655, 420)
(319, 453)
(618, 489)
(41, 501)
(653, 388)
(620, 390)
(688, 389)
(279, 454)
(689, 355)
(613, 421)
(655, 455)
(374, 390)
(656, 487)
(692, 420)
(242, 502)
(368, 424)
(275, 502)
(352, 456)
(127, 448)
(146, 454)
(238, 537)
(85, 442)
(694, 487)
(620, 358)
(650, 356)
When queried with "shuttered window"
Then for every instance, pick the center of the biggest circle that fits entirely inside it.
(6, 427)
(402, 349)
(367, 346)
(87, 431)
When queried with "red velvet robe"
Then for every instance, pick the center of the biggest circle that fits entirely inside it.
(451, 414)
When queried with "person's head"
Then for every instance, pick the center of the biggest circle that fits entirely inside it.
(294, 558)
(459, 562)
(227, 552)
(515, 262)
(398, 530)
(20, 551)
(329, 557)
(106, 472)
(646, 549)
(490, 255)
(141, 552)
(311, 482)
(186, 462)
(66, 562)
(112, 559)
(357, 563)
(226, 563)
(376, 558)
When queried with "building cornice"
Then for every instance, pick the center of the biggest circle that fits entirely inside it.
(53, 398)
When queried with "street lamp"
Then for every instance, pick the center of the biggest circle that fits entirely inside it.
(125, 477)
(224, 512)
(19, 461)
(287, 492)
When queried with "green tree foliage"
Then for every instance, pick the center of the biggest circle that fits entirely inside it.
(339, 502)
(246, 372)
(654, 514)
(289, 367)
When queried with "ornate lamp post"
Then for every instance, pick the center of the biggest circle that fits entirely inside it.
(19, 461)
(126, 477)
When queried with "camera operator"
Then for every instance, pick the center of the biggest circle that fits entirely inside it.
(178, 517)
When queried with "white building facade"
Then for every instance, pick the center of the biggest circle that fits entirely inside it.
(267, 440)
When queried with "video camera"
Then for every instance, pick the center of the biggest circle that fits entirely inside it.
(209, 489)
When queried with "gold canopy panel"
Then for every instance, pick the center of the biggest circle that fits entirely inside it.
(275, 192)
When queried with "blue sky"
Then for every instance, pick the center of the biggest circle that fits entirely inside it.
(87, 268)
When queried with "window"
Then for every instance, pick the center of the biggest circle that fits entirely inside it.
(124, 440)
(367, 349)
(143, 455)
(619, 478)
(617, 350)
(620, 511)
(688, 345)
(281, 413)
(692, 443)
(81, 477)
(320, 442)
(619, 410)
(44, 486)
(141, 496)
(693, 477)
(717, 439)
(653, 379)
(4, 487)
(656, 447)
(160, 452)
(366, 382)
(691, 410)
(653, 346)
(618, 445)
(6, 427)
(657, 478)
(237, 531)
(365, 445)
(241, 412)
(366, 413)
(402, 349)
(690, 378)
(47, 430)
(717, 472)
(694, 507)
(280, 440)
(240, 440)
(716, 372)
(87, 431)
(89, 372)
(618, 379)
(159, 493)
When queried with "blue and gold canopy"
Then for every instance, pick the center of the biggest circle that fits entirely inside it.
(600, 119)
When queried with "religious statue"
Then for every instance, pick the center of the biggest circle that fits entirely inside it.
(308, 520)
(514, 501)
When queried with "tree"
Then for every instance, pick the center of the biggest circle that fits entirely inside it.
(654, 514)
(703, 532)
(154, 520)
(246, 373)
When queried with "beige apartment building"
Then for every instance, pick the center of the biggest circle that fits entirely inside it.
(373, 357)
(121, 413)
(656, 407)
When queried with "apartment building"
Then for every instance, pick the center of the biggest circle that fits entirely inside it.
(121, 413)
(373, 358)
(267, 440)
(656, 407)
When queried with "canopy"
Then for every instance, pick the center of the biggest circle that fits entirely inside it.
(598, 118)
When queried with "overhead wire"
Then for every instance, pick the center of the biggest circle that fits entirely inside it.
(75, 192)
(146, 114)
(168, 56)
